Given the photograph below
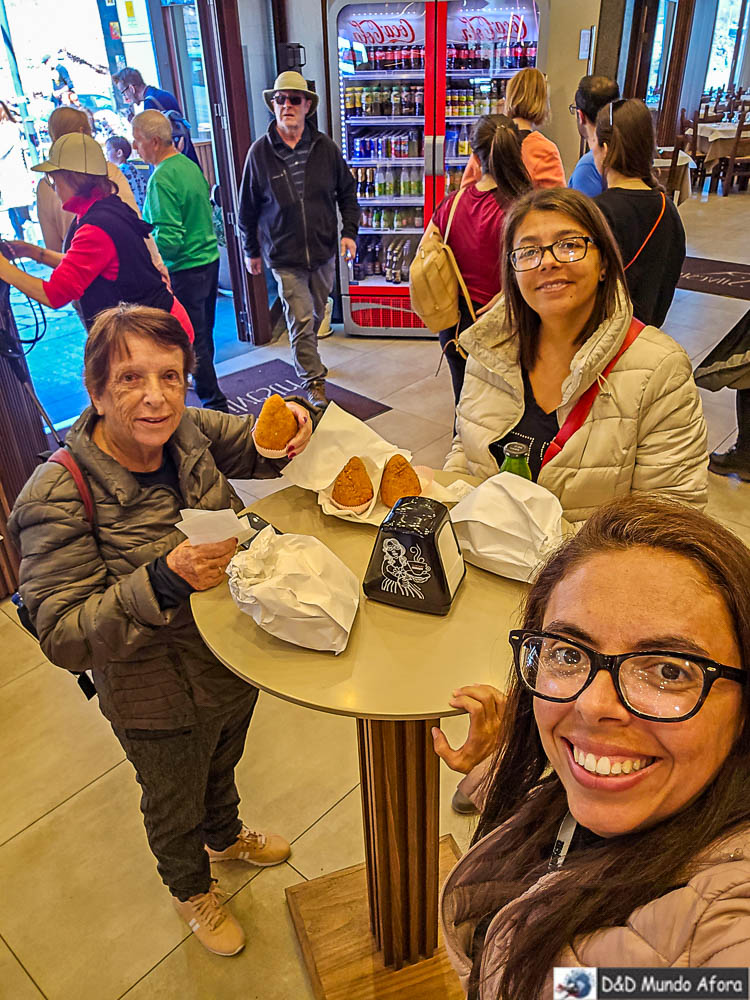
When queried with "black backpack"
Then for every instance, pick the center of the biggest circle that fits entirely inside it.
(180, 124)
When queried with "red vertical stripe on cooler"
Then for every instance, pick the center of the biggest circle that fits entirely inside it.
(440, 85)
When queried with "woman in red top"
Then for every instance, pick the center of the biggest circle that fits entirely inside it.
(474, 235)
(105, 234)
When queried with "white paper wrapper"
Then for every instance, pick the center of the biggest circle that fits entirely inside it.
(203, 526)
(295, 588)
(508, 525)
(340, 436)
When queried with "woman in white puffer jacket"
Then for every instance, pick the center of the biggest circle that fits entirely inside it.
(562, 320)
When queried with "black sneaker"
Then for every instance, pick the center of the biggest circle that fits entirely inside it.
(316, 393)
(734, 462)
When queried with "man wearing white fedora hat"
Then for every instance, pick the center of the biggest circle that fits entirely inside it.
(294, 179)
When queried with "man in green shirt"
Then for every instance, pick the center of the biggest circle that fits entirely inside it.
(178, 205)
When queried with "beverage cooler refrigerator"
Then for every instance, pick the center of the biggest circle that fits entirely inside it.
(408, 82)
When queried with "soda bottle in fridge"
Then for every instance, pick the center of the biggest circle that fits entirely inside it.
(464, 149)
(389, 183)
(380, 183)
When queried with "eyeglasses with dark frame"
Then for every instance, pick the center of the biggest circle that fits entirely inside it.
(572, 108)
(565, 251)
(282, 99)
(124, 90)
(548, 662)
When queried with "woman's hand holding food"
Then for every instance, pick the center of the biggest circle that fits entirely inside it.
(485, 705)
(202, 566)
(304, 423)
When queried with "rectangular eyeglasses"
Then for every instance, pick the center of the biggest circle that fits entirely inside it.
(658, 685)
(565, 251)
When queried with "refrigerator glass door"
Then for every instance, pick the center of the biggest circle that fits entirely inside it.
(381, 75)
(485, 46)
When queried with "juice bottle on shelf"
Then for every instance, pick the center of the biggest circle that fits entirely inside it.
(349, 101)
(377, 218)
(385, 102)
(367, 102)
(464, 149)
(419, 102)
(397, 219)
(471, 101)
(357, 102)
(387, 218)
(380, 183)
(376, 106)
(413, 147)
(389, 181)
(407, 106)
(396, 101)
(419, 218)
(397, 182)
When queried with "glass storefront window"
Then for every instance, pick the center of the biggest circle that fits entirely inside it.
(722, 48)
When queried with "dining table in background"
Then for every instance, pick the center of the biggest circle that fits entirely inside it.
(371, 931)
(715, 141)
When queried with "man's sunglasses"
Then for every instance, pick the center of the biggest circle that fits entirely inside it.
(282, 99)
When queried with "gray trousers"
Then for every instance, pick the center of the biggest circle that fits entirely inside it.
(189, 797)
(304, 295)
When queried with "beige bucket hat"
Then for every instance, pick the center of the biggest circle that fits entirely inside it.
(291, 81)
(76, 152)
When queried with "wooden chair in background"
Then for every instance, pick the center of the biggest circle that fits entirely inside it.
(673, 185)
(738, 167)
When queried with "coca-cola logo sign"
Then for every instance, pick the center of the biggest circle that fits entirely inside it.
(480, 28)
(371, 32)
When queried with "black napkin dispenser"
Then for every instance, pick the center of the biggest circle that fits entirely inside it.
(416, 562)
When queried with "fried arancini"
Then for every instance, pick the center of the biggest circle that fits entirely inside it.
(276, 425)
(399, 480)
(353, 486)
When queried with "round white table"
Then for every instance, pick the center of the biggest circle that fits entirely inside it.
(396, 678)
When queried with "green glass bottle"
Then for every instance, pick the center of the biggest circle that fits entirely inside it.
(516, 459)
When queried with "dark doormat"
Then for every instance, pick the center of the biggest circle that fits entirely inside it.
(248, 389)
(717, 277)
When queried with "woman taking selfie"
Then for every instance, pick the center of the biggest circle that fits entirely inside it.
(473, 219)
(616, 828)
(643, 218)
(559, 360)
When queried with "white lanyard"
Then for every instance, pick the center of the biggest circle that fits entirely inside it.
(562, 843)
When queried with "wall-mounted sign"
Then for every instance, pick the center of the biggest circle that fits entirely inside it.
(584, 45)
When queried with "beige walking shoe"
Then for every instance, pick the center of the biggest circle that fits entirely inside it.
(211, 922)
(261, 849)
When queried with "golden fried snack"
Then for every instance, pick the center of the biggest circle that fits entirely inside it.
(353, 487)
(276, 425)
(399, 480)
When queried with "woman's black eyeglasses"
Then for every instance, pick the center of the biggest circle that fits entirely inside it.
(658, 685)
(564, 251)
(282, 99)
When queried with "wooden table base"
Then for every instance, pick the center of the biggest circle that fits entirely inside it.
(332, 919)
(400, 783)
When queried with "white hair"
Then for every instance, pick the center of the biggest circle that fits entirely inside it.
(154, 125)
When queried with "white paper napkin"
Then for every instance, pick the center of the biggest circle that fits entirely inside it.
(340, 436)
(204, 526)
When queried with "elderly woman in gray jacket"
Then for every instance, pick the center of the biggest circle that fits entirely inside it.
(616, 822)
(111, 595)
(565, 327)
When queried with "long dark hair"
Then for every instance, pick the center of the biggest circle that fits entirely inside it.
(601, 886)
(496, 143)
(628, 130)
(521, 319)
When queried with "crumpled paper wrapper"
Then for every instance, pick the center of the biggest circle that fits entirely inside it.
(295, 588)
(508, 525)
(340, 436)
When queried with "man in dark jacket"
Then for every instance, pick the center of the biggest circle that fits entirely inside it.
(294, 179)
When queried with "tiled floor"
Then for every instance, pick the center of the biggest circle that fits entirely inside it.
(83, 914)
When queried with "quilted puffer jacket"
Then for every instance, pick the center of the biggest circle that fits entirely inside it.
(89, 595)
(645, 431)
(705, 922)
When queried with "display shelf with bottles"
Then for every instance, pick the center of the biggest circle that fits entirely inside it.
(384, 258)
